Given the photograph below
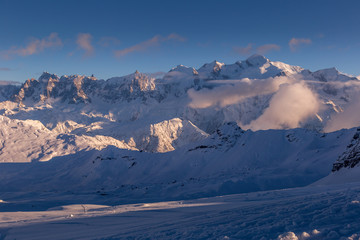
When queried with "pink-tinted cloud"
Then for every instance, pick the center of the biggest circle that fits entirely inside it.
(6, 82)
(320, 35)
(244, 50)
(175, 37)
(33, 47)
(5, 69)
(267, 48)
(108, 41)
(250, 49)
(294, 43)
(149, 43)
(84, 42)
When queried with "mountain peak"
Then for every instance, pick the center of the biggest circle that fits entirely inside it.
(45, 76)
(184, 69)
(217, 64)
(214, 67)
(257, 60)
(332, 74)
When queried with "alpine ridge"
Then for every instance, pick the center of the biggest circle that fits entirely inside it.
(267, 131)
(223, 124)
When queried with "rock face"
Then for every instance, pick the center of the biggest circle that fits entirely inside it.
(68, 89)
(138, 93)
(351, 157)
(81, 89)
(8, 91)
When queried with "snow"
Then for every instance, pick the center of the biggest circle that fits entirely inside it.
(81, 156)
(257, 60)
(229, 161)
(332, 74)
(300, 213)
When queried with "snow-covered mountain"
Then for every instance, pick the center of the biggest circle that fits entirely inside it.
(176, 127)
(230, 160)
(347, 167)
(255, 125)
(210, 96)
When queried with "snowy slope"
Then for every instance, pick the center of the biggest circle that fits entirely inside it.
(30, 140)
(329, 213)
(139, 112)
(229, 161)
(78, 140)
(347, 167)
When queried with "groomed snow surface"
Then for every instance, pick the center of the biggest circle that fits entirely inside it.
(316, 212)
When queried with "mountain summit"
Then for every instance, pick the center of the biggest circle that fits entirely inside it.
(208, 97)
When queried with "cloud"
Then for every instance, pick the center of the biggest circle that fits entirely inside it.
(33, 47)
(84, 42)
(108, 41)
(291, 100)
(174, 36)
(250, 49)
(267, 48)
(349, 117)
(244, 50)
(5, 82)
(292, 104)
(156, 74)
(234, 91)
(294, 43)
(5, 69)
(320, 35)
(149, 43)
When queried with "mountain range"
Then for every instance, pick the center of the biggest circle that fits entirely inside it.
(223, 128)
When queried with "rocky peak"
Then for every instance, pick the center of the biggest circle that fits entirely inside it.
(45, 77)
(68, 88)
(351, 157)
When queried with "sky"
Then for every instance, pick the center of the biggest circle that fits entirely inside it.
(115, 38)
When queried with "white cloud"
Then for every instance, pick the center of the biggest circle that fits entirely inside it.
(349, 117)
(292, 104)
(234, 92)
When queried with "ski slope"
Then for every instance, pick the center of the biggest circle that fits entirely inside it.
(317, 212)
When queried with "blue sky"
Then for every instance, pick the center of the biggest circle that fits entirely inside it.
(114, 38)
